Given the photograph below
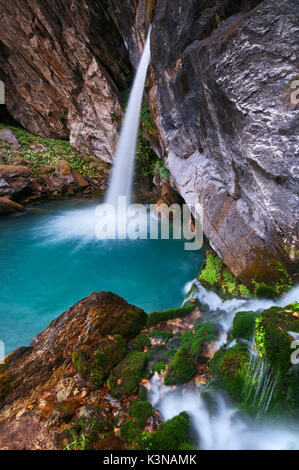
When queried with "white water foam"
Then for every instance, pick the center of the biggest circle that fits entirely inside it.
(217, 424)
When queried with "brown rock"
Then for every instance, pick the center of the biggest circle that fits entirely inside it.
(48, 360)
(8, 136)
(63, 71)
(111, 442)
(8, 207)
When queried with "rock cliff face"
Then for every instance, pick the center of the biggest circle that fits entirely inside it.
(63, 64)
(220, 91)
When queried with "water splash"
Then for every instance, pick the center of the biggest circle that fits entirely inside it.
(217, 425)
(223, 311)
(260, 382)
(123, 170)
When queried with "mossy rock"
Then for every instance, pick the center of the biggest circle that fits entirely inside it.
(128, 373)
(139, 343)
(96, 367)
(181, 368)
(140, 412)
(130, 432)
(267, 271)
(194, 340)
(230, 366)
(171, 435)
(244, 325)
(158, 367)
(162, 317)
(217, 277)
(263, 291)
(165, 335)
(272, 337)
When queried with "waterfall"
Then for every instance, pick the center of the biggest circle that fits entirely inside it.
(123, 170)
(260, 382)
(216, 423)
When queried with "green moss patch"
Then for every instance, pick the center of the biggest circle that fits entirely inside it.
(215, 276)
(230, 367)
(193, 340)
(128, 374)
(272, 338)
(171, 435)
(181, 368)
(55, 151)
(244, 325)
(162, 317)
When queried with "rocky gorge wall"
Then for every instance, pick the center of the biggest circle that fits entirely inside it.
(219, 89)
(63, 64)
(222, 85)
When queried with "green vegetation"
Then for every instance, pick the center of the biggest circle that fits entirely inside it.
(139, 343)
(97, 367)
(106, 357)
(272, 338)
(264, 291)
(230, 366)
(128, 374)
(132, 429)
(165, 335)
(53, 152)
(140, 412)
(217, 277)
(161, 317)
(244, 325)
(193, 340)
(267, 276)
(181, 368)
(158, 367)
(171, 435)
(86, 432)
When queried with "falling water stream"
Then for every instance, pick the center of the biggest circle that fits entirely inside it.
(123, 170)
(217, 424)
(45, 241)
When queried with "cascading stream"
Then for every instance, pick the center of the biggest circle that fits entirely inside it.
(221, 426)
(123, 170)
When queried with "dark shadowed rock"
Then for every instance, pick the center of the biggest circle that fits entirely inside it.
(8, 207)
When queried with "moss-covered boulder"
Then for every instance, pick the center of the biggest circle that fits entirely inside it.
(273, 339)
(171, 435)
(196, 340)
(161, 317)
(217, 277)
(230, 367)
(181, 368)
(244, 325)
(138, 344)
(127, 374)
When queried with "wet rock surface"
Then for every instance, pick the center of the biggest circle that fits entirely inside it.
(222, 74)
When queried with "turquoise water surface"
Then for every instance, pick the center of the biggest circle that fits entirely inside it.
(50, 259)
